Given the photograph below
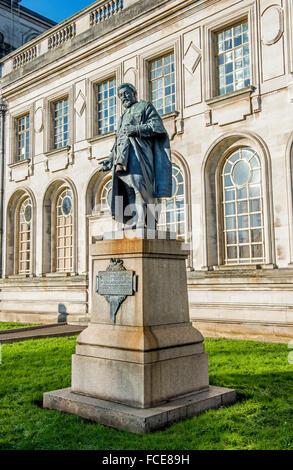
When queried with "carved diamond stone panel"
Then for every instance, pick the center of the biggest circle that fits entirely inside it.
(80, 103)
(192, 58)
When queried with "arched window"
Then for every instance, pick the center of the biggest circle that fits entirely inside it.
(59, 233)
(173, 211)
(105, 198)
(242, 208)
(64, 234)
(23, 241)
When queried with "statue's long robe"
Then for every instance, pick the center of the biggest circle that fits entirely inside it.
(146, 158)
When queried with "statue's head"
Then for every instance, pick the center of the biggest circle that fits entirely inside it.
(127, 94)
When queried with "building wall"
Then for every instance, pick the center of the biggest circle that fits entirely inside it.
(250, 299)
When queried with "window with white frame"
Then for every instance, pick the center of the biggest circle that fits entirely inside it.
(24, 235)
(60, 118)
(242, 208)
(64, 232)
(172, 217)
(105, 199)
(23, 138)
(106, 103)
(233, 58)
(162, 83)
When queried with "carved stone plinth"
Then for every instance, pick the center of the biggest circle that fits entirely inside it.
(149, 353)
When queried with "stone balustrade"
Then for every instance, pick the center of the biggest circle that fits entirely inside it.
(105, 10)
(61, 36)
(64, 32)
(24, 57)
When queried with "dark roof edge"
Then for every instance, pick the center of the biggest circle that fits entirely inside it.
(37, 15)
(28, 11)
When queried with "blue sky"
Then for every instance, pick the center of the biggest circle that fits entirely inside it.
(56, 10)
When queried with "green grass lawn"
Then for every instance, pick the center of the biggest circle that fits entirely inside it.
(261, 419)
(10, 325)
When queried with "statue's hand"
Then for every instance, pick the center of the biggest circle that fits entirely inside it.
(131, 131)
(106, 165)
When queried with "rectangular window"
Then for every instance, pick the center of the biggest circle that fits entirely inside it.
(106, 106)
(22, 137)
(162, 83)
(60, 110)
(233, 58)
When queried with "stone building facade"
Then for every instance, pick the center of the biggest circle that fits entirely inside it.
(221, 75)
(19, 25)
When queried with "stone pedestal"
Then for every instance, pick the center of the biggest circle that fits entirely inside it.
(152, 356)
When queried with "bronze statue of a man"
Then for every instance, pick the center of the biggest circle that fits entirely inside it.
(140, 160)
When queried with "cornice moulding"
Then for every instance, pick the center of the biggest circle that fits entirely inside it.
(69, 58)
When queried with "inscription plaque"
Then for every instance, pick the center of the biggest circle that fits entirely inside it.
(115, 284)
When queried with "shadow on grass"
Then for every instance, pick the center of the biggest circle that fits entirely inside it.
(241, 397)
(38, 403)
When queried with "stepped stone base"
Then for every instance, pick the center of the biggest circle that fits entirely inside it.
(147, 367)
(138, 420)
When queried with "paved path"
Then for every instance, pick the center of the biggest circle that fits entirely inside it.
(35, 332)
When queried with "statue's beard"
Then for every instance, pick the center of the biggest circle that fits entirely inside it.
(127, 103)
